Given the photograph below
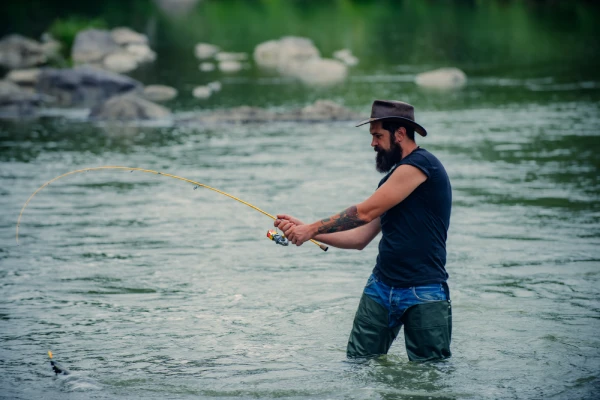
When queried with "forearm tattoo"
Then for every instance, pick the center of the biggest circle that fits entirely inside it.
(346, 220)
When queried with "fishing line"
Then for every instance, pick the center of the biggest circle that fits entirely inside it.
(131, 169)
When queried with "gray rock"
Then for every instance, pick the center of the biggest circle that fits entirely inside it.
(225, 56)
(124, 36)
(128, 108)
(120, 62)
(207, 67)
(215, 86)
(285, 53)
(203, 51)
(159, 93)
(299, 58)
(92, 45)
(326, 110)
(17, 52)
(141, 52)
(320, 111)
(24, 77)
(84, 86)
(320, 72)
(202, 92)
(346, 56)
(443, 78)
(230, 66)
(16, 102)
(237, 115)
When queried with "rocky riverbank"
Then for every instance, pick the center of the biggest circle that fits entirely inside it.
(101, 59)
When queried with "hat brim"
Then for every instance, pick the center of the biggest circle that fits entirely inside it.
(418, 128)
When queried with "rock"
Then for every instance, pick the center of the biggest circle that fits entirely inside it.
(207, 67)
(443, 78)
(321, 72)
(124, 36)
(202, 92)
(298, 57)
(237, 115)
(141, 52)
(120, 62)
(92, 45)
(51, 47)
(325, 110)
(84, 86)
(127, 108)
(230, 66)
(223, 56)
(205, 50)
(215, 86)
(320, 111)
(24, 77)
(285, 53)
(18, 52)
(346, 57)
(159, 93)
(16, 102)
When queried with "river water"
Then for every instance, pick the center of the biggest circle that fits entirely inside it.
(147, 288)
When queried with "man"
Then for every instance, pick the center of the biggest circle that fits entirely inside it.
(412, 209)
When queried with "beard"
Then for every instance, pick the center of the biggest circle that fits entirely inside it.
(386, 159)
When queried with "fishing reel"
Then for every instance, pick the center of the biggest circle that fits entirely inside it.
(278, 238)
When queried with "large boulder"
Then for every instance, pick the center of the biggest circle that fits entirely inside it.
(17, 51)
(120, 50)
(120, 62)
(84, 86)
(129, 108)
(16, 102)
(346, 56)
(92, 45)
(443, 78)
(285, 53)
(299, 58)
(321, 72)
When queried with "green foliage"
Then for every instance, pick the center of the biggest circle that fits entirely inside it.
(65, 29)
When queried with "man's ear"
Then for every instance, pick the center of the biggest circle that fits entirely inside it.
(400, 134)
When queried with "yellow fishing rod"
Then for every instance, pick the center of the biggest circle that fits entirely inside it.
(131, 169)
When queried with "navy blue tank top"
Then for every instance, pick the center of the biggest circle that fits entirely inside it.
(412, 250)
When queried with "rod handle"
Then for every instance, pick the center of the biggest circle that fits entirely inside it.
(321, 246)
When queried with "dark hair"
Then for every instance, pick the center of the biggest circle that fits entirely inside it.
(392, 126)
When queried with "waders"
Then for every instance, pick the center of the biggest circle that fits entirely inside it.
(427, 330)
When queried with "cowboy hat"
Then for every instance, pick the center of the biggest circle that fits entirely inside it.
(391, 109)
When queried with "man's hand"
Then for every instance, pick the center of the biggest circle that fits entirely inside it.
(284, 222)
(298, 234)
(294, 230)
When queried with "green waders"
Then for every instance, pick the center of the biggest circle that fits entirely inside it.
(427, 330)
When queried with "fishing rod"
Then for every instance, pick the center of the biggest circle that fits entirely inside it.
(273, 235)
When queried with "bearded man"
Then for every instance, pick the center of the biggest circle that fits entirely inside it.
(411, 207)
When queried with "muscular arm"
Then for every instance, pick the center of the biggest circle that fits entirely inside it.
(357, 238)
(403, 181)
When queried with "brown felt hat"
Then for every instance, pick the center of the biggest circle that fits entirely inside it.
(391, 109)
